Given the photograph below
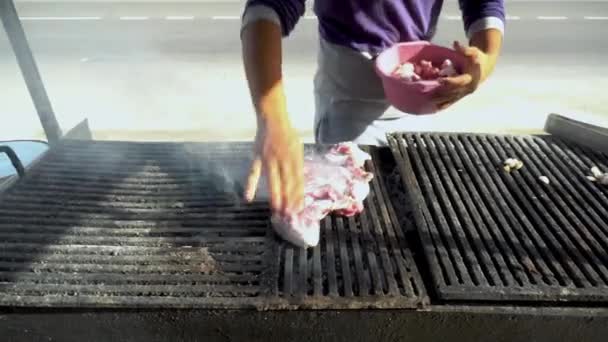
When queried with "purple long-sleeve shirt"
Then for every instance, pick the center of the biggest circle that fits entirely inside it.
(374, 25)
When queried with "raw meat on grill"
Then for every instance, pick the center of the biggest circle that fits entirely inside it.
(334, 182)
(424, 70)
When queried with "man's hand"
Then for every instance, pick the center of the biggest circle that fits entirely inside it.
(279, 155)
(475, 71)
(278, 151)
(481, 57)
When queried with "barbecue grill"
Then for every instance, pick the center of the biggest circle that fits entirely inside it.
(453, 244)
(123, 224)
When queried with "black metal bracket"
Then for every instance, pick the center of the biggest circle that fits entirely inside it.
(14, 159)
(580, 132)
(29, 70)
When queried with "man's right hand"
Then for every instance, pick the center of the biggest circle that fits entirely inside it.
(278, 151)
(279, 155)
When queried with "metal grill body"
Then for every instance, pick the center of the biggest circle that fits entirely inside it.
(489, 234)
(124, 224)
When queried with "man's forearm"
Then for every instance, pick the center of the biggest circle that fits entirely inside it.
(262, 58)
(489, 42)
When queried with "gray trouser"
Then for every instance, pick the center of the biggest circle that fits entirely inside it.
(349, 100)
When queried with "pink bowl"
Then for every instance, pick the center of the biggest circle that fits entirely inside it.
(413, 97)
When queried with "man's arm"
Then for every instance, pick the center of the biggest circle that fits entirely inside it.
(484, 24)
(488, 41)
(262, 59)
(264, 23)
(278, 150)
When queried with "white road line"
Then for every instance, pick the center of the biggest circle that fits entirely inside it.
(225, 17)
(551, 18)
(236, 17)
(134, 18)
(60, 18)
(178, 17)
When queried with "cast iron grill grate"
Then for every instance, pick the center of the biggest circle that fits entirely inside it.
(124, 224)
(489, 234)
(364, 258)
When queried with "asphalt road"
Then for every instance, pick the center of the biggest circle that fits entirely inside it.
(150, 67)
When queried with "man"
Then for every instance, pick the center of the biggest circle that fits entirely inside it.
(349, 99)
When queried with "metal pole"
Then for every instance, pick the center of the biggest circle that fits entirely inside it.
(29, 70)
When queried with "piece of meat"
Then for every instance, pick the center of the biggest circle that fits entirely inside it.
(447, 69)
(334, 182)
(407, 72)
(512, 164)
(424, 70)
(598, 176)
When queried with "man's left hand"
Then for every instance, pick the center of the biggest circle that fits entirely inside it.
(475, 71)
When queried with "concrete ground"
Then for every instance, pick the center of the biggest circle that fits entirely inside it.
(172, 71)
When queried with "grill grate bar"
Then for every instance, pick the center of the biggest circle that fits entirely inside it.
(496, 268)
(181, 257)
(374, 267)
(102, 211)
(131, 202)
(531, 240)
(124, 250)
(571, 162)
(302, 270)
(499, 224)
(143, 158)
(590, 157)
(128, 200)
(541, 218)
(190, 192)
(141, 215)
(593, 236)
(92, 179)
(591, 277)
(223, 230)
(501, 272)
(288, 274)
(472, 255)
(452, 250)
(442, 275)
(393, 233)
(330, 242)
(362, 284)
(119, 278)
(538, 249)
(138, 241)
(347, 283)
(137, 223)
(43, 266)
(100, 184)
(317, 269)
(150, 173)
(215, 290)
(127, 150)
